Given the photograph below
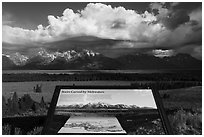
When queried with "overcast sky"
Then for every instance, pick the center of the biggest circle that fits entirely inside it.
(110, 28)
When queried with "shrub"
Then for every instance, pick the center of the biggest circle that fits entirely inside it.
(37, 88)
(35, 131)
(6, 129)
(185, 123)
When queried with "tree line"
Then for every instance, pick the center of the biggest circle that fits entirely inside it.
(25, 105)
(23, 77)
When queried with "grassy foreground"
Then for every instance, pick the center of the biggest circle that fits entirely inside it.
(184, 109)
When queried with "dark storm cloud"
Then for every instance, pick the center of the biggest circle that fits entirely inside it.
(173, 14)
(175, 19)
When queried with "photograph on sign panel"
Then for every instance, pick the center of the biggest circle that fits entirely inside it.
(111, 111)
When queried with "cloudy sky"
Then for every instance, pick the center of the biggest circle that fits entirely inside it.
(139, 97)
(112, 29)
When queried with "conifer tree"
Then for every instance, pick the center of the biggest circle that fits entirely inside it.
(42, 103)
(4, 106)
(15, 105)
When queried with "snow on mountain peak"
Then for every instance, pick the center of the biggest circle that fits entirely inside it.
(18, 59)
(8, 56)
(49, 57)
(90, 52)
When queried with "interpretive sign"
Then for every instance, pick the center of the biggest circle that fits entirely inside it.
(103, 110)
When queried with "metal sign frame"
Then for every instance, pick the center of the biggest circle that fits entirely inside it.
(164, 119)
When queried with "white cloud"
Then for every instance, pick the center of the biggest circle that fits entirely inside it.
(98, 20)
(162, 53)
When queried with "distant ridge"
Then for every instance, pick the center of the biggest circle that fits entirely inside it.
(101, 105)
(90, 60)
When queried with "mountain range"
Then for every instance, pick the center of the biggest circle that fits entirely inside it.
(99, 105)
(90, 60)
